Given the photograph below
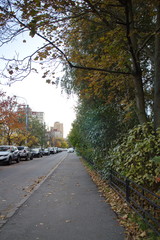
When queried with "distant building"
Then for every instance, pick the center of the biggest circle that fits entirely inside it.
(57, 134)
(57, 130)
(58, 127)
(32, 114)
(39, 116)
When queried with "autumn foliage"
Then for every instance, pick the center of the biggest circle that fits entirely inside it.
(12, 117)
(111, 48)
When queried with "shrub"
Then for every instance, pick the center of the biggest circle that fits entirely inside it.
(137, 157)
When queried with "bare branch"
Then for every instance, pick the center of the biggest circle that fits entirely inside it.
(26, 26)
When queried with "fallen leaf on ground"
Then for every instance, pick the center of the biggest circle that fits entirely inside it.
(119, 206)
(68, 221)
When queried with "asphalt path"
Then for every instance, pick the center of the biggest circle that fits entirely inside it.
(17, 181)
(66, 206)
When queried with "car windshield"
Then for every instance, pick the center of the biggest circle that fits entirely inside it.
(2, 149)
(35, 150)
(20, 148)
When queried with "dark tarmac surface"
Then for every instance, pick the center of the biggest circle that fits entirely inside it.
(67, 206)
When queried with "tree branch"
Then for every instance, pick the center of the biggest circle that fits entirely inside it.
(60, 51)
(147, 40)
(96, 12)
(99, 69)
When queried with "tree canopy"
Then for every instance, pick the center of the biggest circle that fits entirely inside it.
(113, 44)
(12, 117)
(13, 128)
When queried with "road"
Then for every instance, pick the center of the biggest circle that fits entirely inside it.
(18, 181)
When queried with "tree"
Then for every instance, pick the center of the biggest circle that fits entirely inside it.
(130, 29)
(59, 142)
(96, 128)
(11, 118)
(78, 139)
(37, 133)
(13, 124)
(129, 52)
(157, 72)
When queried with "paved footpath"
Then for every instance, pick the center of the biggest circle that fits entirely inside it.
(67, 206)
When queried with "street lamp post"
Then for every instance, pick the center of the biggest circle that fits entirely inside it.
(27, 117)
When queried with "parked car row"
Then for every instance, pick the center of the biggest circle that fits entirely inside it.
(9, 154)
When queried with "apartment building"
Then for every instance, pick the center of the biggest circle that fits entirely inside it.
(39, 116)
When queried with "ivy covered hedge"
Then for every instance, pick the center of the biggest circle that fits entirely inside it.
(138, 156)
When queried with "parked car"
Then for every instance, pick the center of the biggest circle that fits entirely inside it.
(37, 152)
(64, 149)
(8, 154)
(55, 149)
(42, 150)
(70, 150)
(46, 151)
(59, 149)
(25, 153)
(51, 150)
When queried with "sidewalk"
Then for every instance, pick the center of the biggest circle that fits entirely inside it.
(67, 206)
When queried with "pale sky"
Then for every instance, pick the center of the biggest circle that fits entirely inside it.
(43, 97)
(39, 95)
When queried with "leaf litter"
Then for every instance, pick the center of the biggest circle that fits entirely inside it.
(123, 212)
(30, 188)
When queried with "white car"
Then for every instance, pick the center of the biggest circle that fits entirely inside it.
(25, 153)
(8, 154)
(70, 150)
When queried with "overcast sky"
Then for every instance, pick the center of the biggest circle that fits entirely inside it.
(39, 95)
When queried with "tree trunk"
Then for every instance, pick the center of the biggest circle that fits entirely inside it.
(139, 97)
(157, 73)
(137, 74)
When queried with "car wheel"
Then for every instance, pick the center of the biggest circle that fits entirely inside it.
(9, 161)
(31, 157)
(18, 159)
(27, 158)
